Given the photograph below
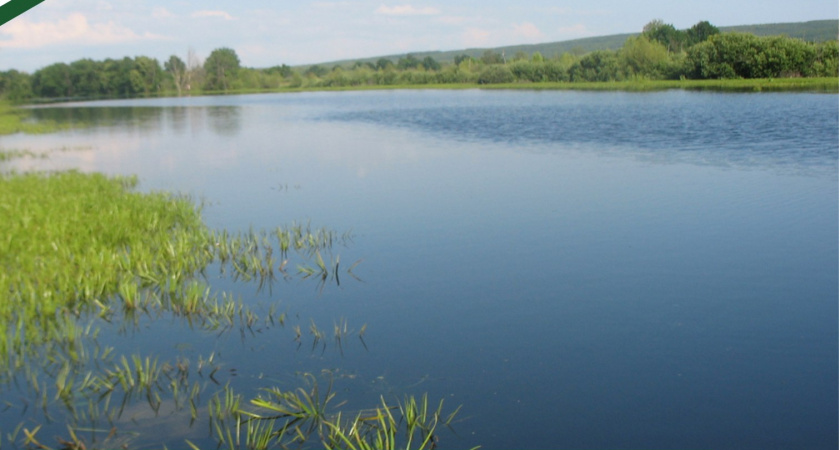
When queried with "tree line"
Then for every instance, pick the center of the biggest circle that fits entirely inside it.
(660, 52)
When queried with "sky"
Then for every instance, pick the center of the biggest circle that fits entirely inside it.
(267, 33)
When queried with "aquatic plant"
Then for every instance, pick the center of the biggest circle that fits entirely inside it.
(79, 249)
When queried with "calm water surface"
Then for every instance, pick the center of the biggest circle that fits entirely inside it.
(578, 270)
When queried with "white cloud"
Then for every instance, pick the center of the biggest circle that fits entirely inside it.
(331, 5)
(574, 30)
(475, 37)
(452, 20)
(75, 29)
(527, 30)
(406, 10)
(162, 13)
(578, 12)
(220, 14)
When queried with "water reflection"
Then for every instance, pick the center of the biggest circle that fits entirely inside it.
(225, 120)
(221, 120)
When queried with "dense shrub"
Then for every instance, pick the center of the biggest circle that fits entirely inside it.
(494, 74)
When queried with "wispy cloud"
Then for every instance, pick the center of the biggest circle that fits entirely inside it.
(406, 10)
(162, 13)
(454, 20)
(574, 30)
(475, 37)
(220, 14)
(331, 5)
(527, 30)
(75, 29)
(578, 12)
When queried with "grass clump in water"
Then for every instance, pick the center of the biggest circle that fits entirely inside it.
(14, 120)
(76, 247)
(70, 240)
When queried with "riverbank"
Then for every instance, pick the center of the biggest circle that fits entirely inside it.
(825, 85)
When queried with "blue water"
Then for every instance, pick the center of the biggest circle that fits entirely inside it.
(578, 270)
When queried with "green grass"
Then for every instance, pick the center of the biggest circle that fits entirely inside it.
(14, 120)
(829, 85)
(739, 85)
(77, 248)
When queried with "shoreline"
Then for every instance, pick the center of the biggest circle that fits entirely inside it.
(819, 85)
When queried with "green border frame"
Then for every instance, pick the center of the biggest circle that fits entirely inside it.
(15, 8)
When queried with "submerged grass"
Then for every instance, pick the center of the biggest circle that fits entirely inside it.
(78, 248)
(74, 243)
(16, 120)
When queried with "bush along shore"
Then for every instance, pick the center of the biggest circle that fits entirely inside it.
(659, 53)
(81, 250)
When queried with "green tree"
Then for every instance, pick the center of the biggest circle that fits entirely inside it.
(491, 57)
(520, 56)
(52, 81)
(643, 57)
(15, 86)
(316, 71)
(673, 39)
(600, 65)
(116, 77)
(429, 63)
(494, 74)
(409, 62)
(177, 69)
(221, 69)
(284, 71)
(364, 65)
(150, 74)
(384, 63)
(86, 78)
(461, 58)
(700, 32)
(826, 61)
(524, 70)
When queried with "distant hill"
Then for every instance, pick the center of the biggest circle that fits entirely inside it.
(816, 31)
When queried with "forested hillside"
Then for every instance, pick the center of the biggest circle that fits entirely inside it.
(813, 31)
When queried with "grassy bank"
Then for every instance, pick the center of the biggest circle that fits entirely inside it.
(827, 85)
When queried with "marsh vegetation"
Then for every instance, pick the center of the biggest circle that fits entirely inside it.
(80, 251)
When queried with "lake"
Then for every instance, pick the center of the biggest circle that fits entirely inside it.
(577, 269)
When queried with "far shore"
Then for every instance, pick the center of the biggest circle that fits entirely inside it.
(824, 85)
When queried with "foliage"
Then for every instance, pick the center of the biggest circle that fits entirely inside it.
(660, 52)
(15, 86)
(597, 66)
(644, 57)
(737, 55)
(491, 57)
(177, 69)
(221, 69)
(495, 74)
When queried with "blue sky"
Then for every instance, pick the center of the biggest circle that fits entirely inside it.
(272, 32)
